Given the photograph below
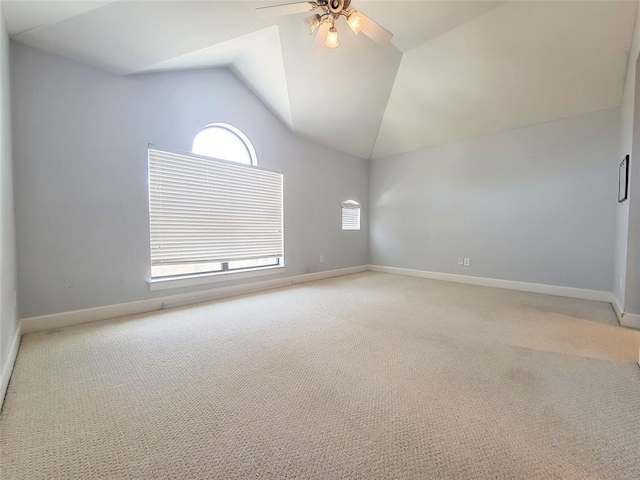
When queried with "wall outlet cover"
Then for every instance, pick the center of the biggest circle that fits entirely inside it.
(460, 261)
(466, 262)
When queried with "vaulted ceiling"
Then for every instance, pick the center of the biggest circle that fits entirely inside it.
(454, 70)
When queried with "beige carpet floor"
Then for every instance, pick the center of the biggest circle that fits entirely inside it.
(366, 376)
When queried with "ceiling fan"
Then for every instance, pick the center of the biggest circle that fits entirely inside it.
(328, 12)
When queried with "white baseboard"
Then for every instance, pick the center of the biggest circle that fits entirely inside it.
(630, 320)
(312, 277)
(8, 366)
(206, 296)
(626, 319)
(65, 319)
(223, 292)
(570, 292)
(616, 307)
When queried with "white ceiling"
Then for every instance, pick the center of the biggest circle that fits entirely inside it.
(491, 74)
(255, 55)
(454, 70)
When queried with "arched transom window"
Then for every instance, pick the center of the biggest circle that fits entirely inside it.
(224, 142)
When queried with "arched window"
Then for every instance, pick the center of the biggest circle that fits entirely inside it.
(215, 215)
(224, 142)
(350, 215)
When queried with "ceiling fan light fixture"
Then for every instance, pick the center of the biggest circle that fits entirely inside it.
(354, 20)
(332, 38)
(312, 22)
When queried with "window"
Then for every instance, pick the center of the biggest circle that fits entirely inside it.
(225, 142)
(350, 215)
(210, 215)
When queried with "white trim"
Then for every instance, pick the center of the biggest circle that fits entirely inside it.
(616, 307)
(198, 297)
(214, 277)
(7, 370)
(630, 320)
(350, 204)
(599, 295)
(223, 292)
(58, 320)
(239, 133)
(65, 319)
(312, 277)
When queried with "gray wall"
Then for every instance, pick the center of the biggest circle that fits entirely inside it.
(632, 288)
(536, 204)
(8, 313)
(80, 139)
(626, 144)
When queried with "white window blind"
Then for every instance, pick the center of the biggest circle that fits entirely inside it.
(206, 210)
(350, 215)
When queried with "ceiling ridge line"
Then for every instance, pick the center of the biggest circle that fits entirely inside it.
(386, 105)
(99, 4)
(501, 3)
(500, 132)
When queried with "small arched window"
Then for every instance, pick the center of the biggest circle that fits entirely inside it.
(224, 142)
(350, 215)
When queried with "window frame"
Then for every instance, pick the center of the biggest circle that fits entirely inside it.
(225, 273)
(238, 133)
(351, 205)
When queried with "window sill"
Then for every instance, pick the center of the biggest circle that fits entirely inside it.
(215, 277)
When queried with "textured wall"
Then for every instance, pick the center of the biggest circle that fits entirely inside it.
(536, 204)
(81, 177)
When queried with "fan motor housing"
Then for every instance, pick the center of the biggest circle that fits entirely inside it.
(336, 6)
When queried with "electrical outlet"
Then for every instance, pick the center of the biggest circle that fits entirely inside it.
(466, 262)
(321, 258)
(460, 261)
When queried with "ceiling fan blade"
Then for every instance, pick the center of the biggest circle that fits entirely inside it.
(375, 31)
(272, 11)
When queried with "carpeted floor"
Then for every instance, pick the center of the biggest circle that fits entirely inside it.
(366, 376)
